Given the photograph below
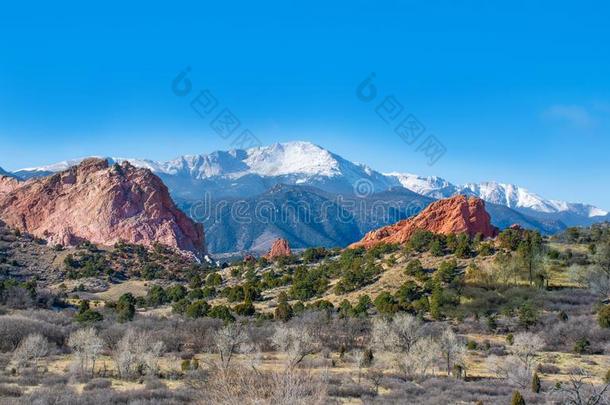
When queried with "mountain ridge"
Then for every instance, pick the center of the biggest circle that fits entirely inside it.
(247, 173)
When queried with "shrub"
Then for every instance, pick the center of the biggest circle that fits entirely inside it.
(582, 345)
(221, 312)
(307, 283)
(156, 296)
(197, 309)
(535, 383)
(176, 293)
(245, 309)
(415, 269)
(97, 384)
(386, 304)
(420, 240)
(181, 306)
(603, 317)
(284, 311)
(126, 307)
(517, 399)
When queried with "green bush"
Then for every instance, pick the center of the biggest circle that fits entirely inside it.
(245, 309)
(415, 269)
(517, 399)
(197, 309)
(156, 296)
(603, 317)
(581, 346)
(421, 240)
(386, 304)
(181, 306)
(221, 312)
(309, 283)
(176, 293)
(536, 383)
(126, 307)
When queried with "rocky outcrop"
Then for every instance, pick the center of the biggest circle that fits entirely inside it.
(100, 203)
(8, 184)
(280, 248)
(456, 215)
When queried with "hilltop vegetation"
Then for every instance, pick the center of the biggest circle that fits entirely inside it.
(441, 319)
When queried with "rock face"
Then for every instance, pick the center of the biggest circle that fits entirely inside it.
(457, 214)
(280, 248)
(100, 203)
(8, 184)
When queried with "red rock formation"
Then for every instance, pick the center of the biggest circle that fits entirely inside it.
(280, 248)
(8, 184)
(249, 258)
(100, 203)
(453, 215)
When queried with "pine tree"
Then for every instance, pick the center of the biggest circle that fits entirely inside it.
(283, 311)
(517, 399)
(436, 249)
(536, 383)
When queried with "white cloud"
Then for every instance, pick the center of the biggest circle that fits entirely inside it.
(575, 115)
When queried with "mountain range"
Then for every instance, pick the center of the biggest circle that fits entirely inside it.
(340, 193)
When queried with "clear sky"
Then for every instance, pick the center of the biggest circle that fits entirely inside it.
(518, 92)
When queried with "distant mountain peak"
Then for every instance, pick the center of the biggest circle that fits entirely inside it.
(245, 173)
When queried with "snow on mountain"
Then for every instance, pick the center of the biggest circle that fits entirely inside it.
(508, 195)
(432, 186)
(245, 173)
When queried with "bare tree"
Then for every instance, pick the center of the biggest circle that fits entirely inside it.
(451, 349)
(359, 358)
(375, 376)
(397, 335)
(236, 385)
(595, 277)
(31, 350)
(420, 360)
(526, 346)
(297, 341)
(382, 335)
(406, 330)
(511, 369)
(228, 341)
(519, 366)
(86, 347)
(136, 353)
(579, 391)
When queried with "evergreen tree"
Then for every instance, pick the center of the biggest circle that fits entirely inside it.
(283, 311)
(517, 399)
(536, 383)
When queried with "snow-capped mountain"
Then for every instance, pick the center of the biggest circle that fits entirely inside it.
(430, 186)
(509, 195)
(246, 173)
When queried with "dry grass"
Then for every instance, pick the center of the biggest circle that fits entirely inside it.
(138, 288)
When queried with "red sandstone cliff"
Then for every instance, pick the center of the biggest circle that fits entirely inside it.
(280, 248)
(100, 203)
(457, 214)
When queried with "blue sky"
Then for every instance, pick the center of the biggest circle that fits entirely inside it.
(518, 92)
